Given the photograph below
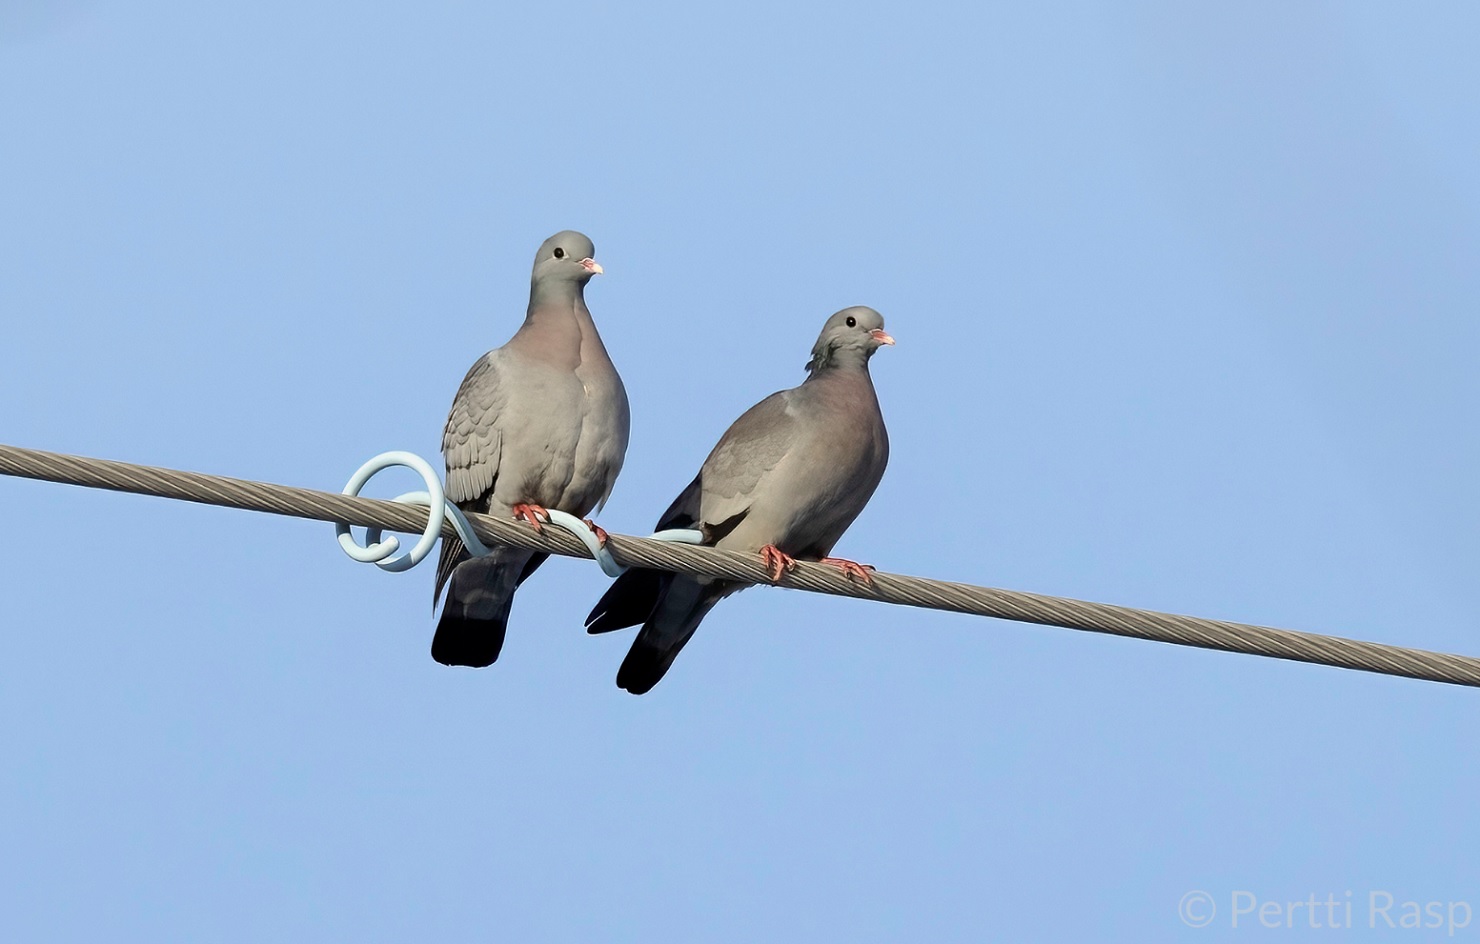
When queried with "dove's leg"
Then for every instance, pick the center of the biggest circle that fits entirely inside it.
(777, 561)
(852, 569)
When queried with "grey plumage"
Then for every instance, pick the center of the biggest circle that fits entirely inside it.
(541, 421)
(792, 472)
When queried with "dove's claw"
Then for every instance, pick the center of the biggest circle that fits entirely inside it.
(534, 514)
(863, 572)
(598, 530)
(777, 562)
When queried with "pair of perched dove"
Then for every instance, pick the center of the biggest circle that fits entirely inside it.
(542, 423)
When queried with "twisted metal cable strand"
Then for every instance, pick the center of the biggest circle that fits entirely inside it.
(641, 552)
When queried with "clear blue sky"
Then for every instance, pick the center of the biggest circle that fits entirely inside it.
(1188, 306)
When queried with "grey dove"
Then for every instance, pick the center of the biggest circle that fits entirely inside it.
(785, 481)
(539, 423)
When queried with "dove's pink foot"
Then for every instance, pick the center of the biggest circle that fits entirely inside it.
(534, 514)
(598, 530)
(777, 561)
(864, 572)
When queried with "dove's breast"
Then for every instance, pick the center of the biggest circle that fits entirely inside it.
(605, 425)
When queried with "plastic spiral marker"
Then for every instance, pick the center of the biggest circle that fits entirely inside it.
(378, 552)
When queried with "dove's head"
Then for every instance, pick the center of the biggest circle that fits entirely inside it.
(849, 338)
(565, 257)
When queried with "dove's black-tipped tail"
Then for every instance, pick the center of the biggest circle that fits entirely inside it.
(460, 640)
(645, 666)
(630, 600)
(479, 599)
(684, 603)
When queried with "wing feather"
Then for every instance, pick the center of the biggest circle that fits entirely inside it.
(471, 441)
(748, 451)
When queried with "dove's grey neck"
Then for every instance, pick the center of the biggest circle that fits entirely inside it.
(555, 293)
(559, 324)
(848, 382)
(844, 358)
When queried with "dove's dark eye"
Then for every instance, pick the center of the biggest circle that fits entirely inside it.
(559, 253)
(852, 321)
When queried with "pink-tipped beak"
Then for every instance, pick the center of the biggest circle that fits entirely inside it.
(878, 335)
(592, 266)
